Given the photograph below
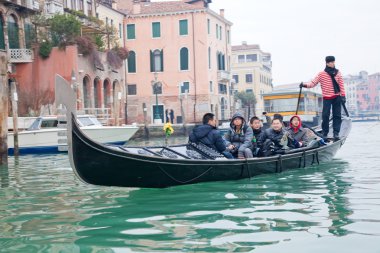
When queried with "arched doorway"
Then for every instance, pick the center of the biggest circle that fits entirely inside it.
(86, 92)
(13, 30)
(107, 93)
(97, 98)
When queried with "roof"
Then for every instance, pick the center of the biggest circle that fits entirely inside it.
(245, 47)
(164, 7)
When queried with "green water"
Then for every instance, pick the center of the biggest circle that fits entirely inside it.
(329, 208)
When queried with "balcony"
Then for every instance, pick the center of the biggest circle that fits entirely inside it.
(28, 4)
(20, 55)
(224, 76)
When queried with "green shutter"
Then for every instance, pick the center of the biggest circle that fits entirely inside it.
(2, 40)
(28, 35)
(13, 35)
(184, 58)
(162, 60)
(183, 30)
(156, 29)
(132, 62)
(151, 61)
(131, 32)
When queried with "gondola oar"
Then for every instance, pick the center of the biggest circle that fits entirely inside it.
(345, 109)
(299, 98)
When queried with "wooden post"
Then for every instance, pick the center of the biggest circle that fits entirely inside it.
(14, 99)
(3, 120)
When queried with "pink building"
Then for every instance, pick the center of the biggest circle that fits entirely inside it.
(181, 48)
(374, 91)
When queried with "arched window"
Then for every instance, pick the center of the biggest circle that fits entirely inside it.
(132, 62)
(13, 33)
(184, 58)
(2, 40)
(157, 60)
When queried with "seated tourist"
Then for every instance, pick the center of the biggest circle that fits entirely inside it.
(239, 136)
(209, 135)
(274, 139)
(256, 126)
(301, 137)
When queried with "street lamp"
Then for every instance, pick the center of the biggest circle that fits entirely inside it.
(156, 88)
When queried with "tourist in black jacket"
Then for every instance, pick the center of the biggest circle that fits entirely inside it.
(209, 135)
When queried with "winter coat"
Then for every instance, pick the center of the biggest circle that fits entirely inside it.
(240, 140)
(208, 135)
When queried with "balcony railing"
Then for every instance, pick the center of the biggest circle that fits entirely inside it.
(224, 76)
(20, 55)
(30, 4)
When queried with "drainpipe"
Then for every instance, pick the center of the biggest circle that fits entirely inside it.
(125, 73)
(195, 73)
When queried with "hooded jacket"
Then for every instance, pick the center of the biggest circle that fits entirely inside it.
(240, 140)
(208, 135)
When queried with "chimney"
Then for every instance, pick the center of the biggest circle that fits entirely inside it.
(244, 43)
(221, 12)
(114, 5)
(136, 7)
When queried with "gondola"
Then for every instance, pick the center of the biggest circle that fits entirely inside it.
(165, 166)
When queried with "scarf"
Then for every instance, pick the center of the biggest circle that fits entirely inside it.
(332, 73)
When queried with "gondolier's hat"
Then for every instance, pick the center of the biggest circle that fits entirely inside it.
(330, 58)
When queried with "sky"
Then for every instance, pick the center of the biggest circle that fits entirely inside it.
(300, 33)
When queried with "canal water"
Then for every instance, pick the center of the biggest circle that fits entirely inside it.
(333, 207)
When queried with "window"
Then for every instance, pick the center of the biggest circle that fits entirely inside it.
(208, 26)
(249, 91)
(217, 31)
(241, 58)
(209, 57)
(89, 8)
(132, 62)
(211, 87)
(106, 20)
(157, 60)
(156, 29)
(221, 61)
(13, 37)
(111, 22)
(28, 30)
(73, 4)
(132, 89)
(184, 59)
(222, 88)
(131, 32)
(81, 5)
(236, 78)
(185, 87)
(251, 57)
(220, 32)
(119, 30)
(228, 37)
(183, 29)
(2, 40)
(248, 78)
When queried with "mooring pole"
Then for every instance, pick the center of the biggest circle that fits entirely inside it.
(3, 119)
(14, 99)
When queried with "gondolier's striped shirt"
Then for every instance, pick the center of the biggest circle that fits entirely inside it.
(327, 85)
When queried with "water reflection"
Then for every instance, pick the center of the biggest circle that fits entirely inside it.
(226, 217)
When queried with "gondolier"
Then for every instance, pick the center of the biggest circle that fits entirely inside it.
(333, 93)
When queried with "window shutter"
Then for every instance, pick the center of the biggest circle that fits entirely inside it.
(162, 60)
(151, 61)
(2, 40)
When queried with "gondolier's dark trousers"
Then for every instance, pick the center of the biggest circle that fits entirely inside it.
(336, 105)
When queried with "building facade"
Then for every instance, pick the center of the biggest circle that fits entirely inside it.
(354, 83)
(179, 60)
(252, 72)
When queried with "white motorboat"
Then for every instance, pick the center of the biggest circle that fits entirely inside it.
(46, 134)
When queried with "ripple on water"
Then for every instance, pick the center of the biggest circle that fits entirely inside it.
(332, 207)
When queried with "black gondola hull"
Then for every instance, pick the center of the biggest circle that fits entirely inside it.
(98, 164)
